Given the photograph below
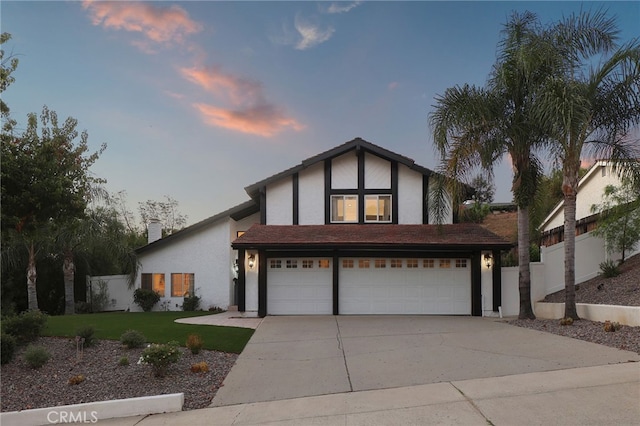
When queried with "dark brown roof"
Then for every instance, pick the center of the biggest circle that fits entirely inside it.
(459, 236)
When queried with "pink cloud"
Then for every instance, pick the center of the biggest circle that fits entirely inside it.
(251, 112)
(160, 25)
(393, 85)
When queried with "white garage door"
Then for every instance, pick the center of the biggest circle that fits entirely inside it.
(405, 286)
(299, 286)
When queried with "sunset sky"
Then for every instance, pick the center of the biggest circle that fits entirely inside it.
(196, 100)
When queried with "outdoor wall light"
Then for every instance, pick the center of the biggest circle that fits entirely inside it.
(236, 267)
(252, 261)
(487, 260)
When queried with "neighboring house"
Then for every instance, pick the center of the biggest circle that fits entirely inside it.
(348, 231)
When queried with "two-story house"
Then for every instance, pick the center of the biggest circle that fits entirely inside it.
(348, 231)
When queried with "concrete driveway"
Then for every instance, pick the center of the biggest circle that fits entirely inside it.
(293, 357)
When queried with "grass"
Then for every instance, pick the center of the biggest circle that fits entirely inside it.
(157, 327)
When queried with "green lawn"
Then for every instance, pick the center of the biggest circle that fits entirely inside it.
(158, 327)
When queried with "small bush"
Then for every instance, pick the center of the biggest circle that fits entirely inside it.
(191, 303)
(566, 321)
(200, 367)
(216, 309)
(87, 332)
(36, 356)
(83, 307)
(145, 298)
(609, 269)
(25, 327)
(76, 380)
(612, 326)
(160, 357)
(7, 348)
(133, 339)
(124, 361)
(194, 343)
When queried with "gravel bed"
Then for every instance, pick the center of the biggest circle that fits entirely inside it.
(24, 388)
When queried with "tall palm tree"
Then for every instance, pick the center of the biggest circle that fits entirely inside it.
(475, 127)
(591, 104)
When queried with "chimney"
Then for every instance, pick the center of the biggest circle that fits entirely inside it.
(154, 230)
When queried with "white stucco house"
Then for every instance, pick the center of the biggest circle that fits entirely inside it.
(347, 231)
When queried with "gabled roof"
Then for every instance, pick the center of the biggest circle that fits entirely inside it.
(236, 213)
(355, 144)
(453, 237)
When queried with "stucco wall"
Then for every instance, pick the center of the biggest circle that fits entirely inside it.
(120, 295)
(311, 195)
(377, 172)
(280, 202)
(511, 292)
(409, 196)
(344, 171)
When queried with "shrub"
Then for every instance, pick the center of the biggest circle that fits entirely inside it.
(194, 343)
(612, 326)
(145, 298)
(566, 321)
(160, 356)
(216, 309)
(83, 307)
(609, 268)
(76, 380)
(25, 327)
(200, 367)
(191, 303)
(124, 361)
(133, 339)
(7, 348)
(36, 356)
(87, 332)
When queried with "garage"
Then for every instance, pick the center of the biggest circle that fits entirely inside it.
(404, 286)
(299, 286)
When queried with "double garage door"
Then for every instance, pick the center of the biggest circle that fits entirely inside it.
(303, 286)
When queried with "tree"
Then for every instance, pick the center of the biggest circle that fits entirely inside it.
(165, 211)
(619, 222)
(474, 127)
(589, 104)
(485, 190)
(45, 184)
(7, 67)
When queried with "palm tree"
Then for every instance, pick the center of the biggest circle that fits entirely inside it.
(590, 103)
(475, 127)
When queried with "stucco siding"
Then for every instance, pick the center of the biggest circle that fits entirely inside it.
(344, 171)
(311, 195)
(377, 172)
(280, 202)
(409, 196)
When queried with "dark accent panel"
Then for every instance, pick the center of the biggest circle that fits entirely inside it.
(336, 284)
(242, 282)
(327, 191)
(438, 254)
(476, 284)
(360, 154)
(497, 280)
(262, 284)
(425, 199)
(394, 192)
(296, 191)
(263, 205)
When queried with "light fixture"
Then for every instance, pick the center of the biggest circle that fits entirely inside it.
(236, 267)
(252, 261)
(487, 260)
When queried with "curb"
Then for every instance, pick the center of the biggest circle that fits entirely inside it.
(92, 412)
(625, 315)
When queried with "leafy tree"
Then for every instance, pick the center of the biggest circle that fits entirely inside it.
(475, 126)
(165, 211)
(7, 67)
(589, 104)
(485, 190)
(45, 185)
(619, 222)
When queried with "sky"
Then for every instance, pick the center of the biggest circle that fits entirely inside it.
(196, 100)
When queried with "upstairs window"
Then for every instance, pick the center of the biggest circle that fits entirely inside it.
(153, 282)
(377, 208)
(182, 285)
(344, 208)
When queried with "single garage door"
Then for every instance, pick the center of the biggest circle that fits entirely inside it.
(405, 286)
(299, 286)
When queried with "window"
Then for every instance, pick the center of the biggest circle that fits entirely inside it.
(412, 263)
(292, 264)
(445, 263)
(428, 263)
(323, 263)
(347, 263)
(380, 263)
(153, 282)
(396, 263)
(364, 263)
(275, 264)
(461, 263)
(182, 285)
(307, 264)
(344, 208)
(377, 208)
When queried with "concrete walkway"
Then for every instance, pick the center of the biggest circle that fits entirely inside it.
(225, 319)
(608, 394)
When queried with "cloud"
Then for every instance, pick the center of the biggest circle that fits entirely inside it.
(311, 34)
(251, 112)
(393, 85)
(342, 7)
(165, 26)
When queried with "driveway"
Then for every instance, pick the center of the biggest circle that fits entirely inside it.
(292, 357)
